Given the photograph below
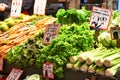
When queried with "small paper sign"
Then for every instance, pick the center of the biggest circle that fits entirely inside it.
(1, 64)
(48, 70)
(15, 74)
(39, 7)
(115, 33)
(87, 79)
(100, 18)
(16, 8)
(51, 32)
(93, 77)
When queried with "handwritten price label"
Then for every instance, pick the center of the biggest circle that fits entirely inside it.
(100, 18)
(51, 32)
(39, 7)
(16, 8)
(15, 74)
(115, 33)
(1, 64)
(87, 79)
(48, 70)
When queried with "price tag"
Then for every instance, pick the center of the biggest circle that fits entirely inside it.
(100, 18)
(1, 64)
(48, 70)
(93, 77)
(15, 74)
(87, 79)
(39, 7)
(115, 33)
(51, 32)
(16, 8)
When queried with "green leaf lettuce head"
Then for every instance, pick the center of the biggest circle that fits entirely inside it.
(73, 16)
(105, 39)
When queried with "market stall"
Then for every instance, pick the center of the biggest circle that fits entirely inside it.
(65, 47)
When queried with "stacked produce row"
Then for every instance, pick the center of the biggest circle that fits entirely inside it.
(22, 45)
(100, 61)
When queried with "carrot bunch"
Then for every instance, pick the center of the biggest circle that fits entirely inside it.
(20, 33)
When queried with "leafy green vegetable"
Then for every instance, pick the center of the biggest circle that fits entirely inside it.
(105, 39)
(70, 41)
(73, 16)
(33, 77)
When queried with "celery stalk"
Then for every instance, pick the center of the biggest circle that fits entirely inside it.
(92, 68)
(111, 58)
(101, 70)
(84, 67)
(92, 58)
(82, 57)
(73, 59)
(77, 65)
(69, 65)
(108, 63)
(100, 61)
(112, 71)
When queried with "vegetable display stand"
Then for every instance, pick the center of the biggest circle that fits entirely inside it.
(79, 75)
(69, 74)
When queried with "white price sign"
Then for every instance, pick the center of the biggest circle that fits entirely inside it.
(15, 74)
(39, 7)
(16, 8)
(48, 70)
(100, 18)
(51, 33)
